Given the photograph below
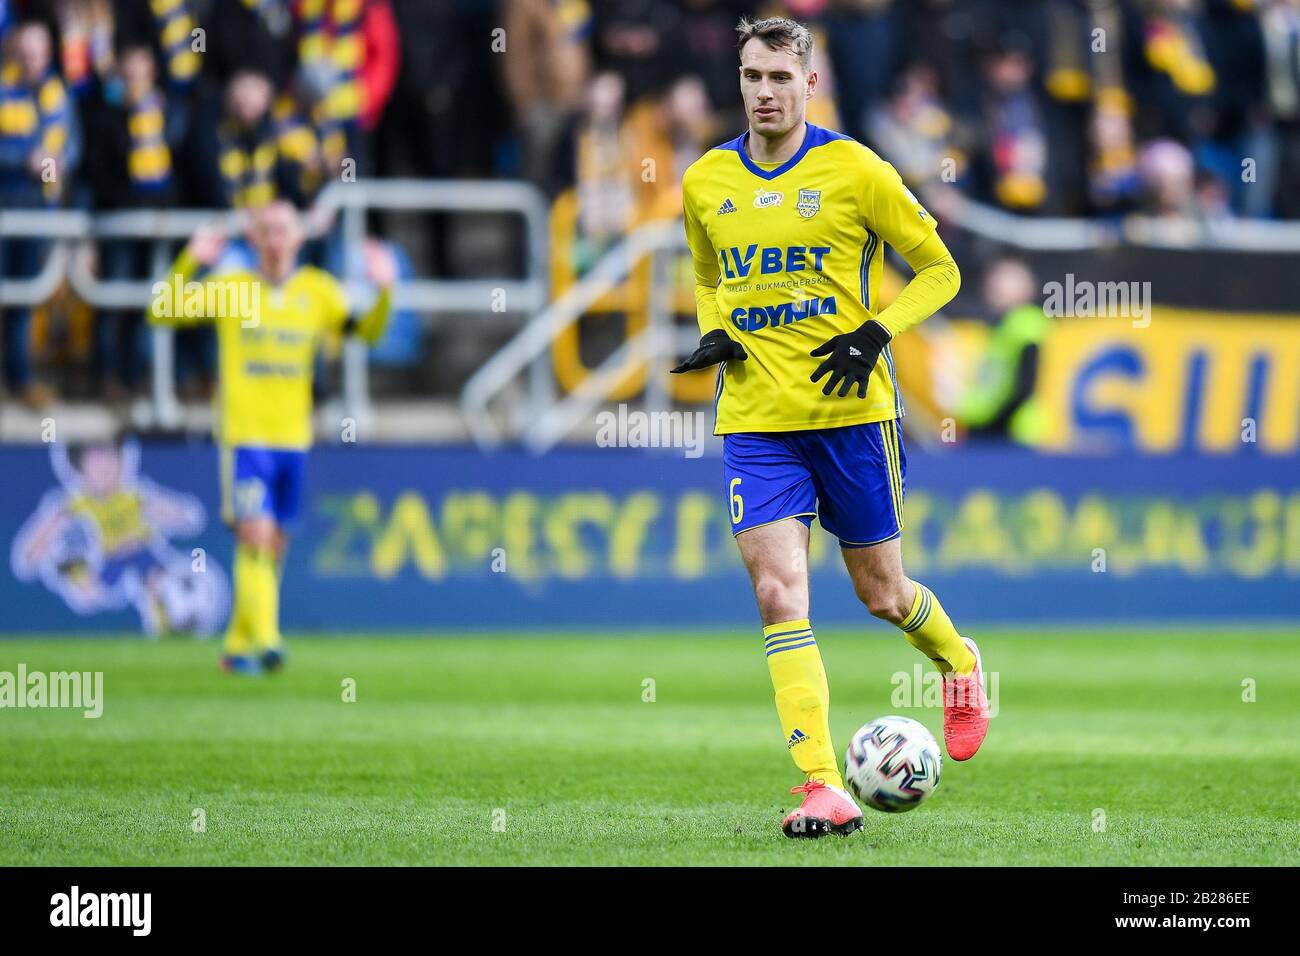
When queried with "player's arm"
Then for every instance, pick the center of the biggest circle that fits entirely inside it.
(381, 269)
(715, 345)
(893, 213)
(199, 255)
(934, 282)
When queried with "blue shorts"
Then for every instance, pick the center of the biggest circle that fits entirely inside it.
(116, 566)
(853, 478)
(261, 481)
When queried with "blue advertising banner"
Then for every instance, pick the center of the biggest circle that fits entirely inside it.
(130, 539)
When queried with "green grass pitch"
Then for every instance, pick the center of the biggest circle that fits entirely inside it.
(541, 750)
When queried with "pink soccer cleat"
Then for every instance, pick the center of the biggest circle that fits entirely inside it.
(965, 710)
(825, 809)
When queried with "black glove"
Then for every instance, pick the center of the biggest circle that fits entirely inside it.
(715, 347)
(852, 357)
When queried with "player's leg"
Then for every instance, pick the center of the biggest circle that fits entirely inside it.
(286, 489)
(881, 584)
(771, 500)
(272, 647)
(862, 485)
(248, 477)
(256, 601)
(888, 593)
(772, 555)
(290, 470)
(236, 644)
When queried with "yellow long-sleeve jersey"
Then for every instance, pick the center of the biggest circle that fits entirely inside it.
(267, 337)
(788, 255)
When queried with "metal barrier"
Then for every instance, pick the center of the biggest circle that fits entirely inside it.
(544, 419)
(536, 414)
(72, 234)
(1064, 235)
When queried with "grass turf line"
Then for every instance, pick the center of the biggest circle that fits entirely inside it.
(549, 739)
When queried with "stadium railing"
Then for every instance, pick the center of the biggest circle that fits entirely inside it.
(71, 235)
(495, 410)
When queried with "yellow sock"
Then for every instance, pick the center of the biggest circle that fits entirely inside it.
(803, 699)
(928, 628)
(238, 640)
(266, 621)
(255, 618)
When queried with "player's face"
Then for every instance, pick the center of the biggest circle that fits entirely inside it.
(775, 88)
(277, 236)
(101, 468)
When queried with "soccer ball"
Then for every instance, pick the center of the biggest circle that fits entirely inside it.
(892, 764)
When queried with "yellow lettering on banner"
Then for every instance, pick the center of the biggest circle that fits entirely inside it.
(977, 534)
(1252, 535)
(696, 513)
(469, 524)
(1172, 537)
(408, 535)
(1041, 519)
(355, 517)
(562, 527)
(916, 556)
(520, 515)
(1291, 535)
(1094, 525)
(1148, 377)
(627, 537)
(1162, 521)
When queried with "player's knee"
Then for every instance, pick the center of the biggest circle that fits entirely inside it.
(256, 533)
(884, 599)
(779, 600)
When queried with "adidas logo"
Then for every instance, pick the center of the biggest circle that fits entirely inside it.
(797, 737)
(854, 350)
(726, 207)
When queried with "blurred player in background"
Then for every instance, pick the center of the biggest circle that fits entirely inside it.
(270, 323)
(100, 540)
(786, 225)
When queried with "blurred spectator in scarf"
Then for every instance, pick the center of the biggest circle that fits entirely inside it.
(1014, 126)
(1180, 81)
(38, 148)
(546, 72)
(131, 168)
(85, 42)
(914, 130)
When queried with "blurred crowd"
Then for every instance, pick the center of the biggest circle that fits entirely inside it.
(1179, 108)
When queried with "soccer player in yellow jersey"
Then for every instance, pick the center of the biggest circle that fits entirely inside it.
(270, 322)
(787, 225)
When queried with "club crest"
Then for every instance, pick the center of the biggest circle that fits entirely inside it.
(810, 202)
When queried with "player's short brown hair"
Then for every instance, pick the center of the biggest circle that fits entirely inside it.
(778, 33)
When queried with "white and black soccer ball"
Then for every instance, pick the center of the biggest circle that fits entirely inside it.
(892, 764)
